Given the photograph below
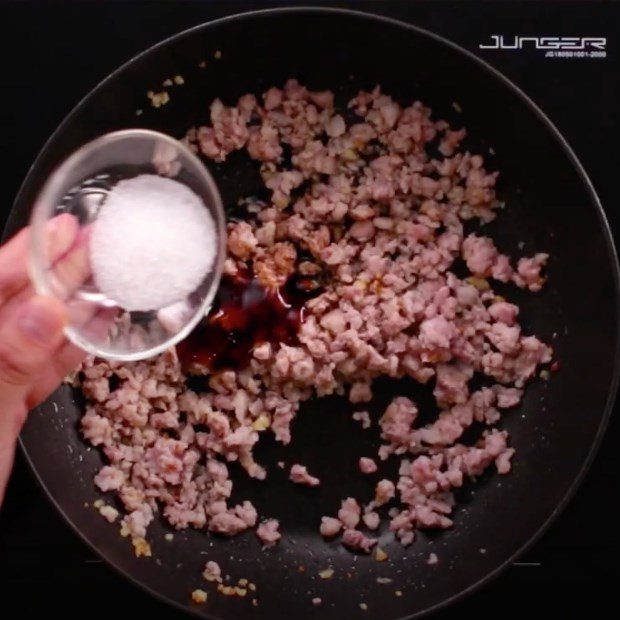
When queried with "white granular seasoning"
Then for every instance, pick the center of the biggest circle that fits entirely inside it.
(152, 243)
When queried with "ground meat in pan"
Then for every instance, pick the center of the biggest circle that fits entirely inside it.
(365, 208)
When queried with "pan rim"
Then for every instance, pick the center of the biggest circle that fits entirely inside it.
(498, 75)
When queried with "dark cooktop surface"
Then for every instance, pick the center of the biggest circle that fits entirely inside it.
(54, 52)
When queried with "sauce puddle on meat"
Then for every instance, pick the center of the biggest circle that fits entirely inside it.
(244, 315)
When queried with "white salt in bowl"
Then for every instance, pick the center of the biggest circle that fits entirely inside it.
(62, 241)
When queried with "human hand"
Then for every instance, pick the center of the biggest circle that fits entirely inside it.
(34, 354)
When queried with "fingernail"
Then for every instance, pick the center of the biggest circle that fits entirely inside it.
(39, 323)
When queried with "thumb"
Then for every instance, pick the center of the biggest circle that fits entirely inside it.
(29, 336)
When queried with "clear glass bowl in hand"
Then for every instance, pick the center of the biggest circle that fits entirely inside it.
(61, 226)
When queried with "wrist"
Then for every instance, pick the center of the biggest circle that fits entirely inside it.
(12, 419)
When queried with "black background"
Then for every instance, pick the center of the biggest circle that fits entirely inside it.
(52, 53)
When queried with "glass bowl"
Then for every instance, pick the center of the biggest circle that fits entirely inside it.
(61, 220)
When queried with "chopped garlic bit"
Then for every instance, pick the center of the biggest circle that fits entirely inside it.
(199, 596)
(109, 513)
(234, 590)
(381, 555)
(261, 423)
(328, 573)
(159, 99)
(141, 547)
(350, 155)
(480, 283)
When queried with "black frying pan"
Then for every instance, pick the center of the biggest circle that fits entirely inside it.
(551, 206)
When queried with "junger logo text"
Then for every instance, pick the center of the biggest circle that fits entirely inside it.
(554, 47)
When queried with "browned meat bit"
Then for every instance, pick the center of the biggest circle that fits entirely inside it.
(241, 240)
(317, 241)
(228, 133)
(282, 184)
(212, 572)
(367, 465)
(307, 268)
(349, 513)
(273, 267)
(268, 532)
(330, 526)
(356, 540)
(299, 475)
(264, 143)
